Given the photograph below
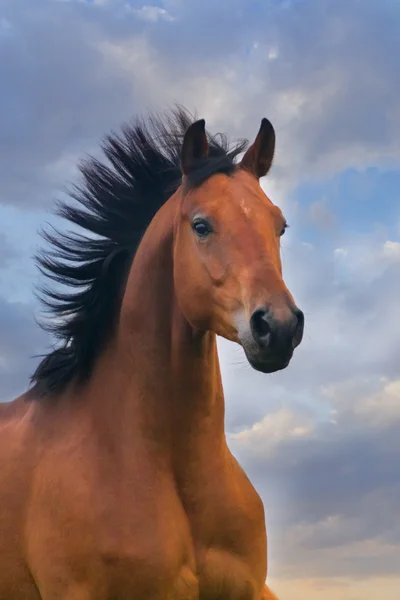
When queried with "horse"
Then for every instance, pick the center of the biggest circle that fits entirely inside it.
(116, 479)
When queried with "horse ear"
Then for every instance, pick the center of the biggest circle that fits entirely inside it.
(195, 146)
(258, 158)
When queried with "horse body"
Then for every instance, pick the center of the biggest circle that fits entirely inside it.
(123, 488)
(93, 525)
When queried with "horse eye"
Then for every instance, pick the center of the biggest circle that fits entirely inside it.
(284, 229)
(202, 228)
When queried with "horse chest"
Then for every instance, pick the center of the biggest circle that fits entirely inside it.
(207, 574)
(213, 550)
(150, 538)
(227, 525)
(225, 576)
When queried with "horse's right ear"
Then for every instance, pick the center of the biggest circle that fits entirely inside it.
(258, 158)
(195, 146)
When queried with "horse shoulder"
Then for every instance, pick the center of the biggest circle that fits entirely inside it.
(91, 519)
(228, 524)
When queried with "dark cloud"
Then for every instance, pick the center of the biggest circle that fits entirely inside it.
(7, 252)
(58, 96)
(335, 488)
(70, 71)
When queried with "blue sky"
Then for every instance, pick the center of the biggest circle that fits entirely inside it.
(320, 440)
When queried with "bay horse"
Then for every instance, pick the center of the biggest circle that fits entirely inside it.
(116, 481)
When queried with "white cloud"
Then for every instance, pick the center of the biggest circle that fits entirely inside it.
(264, 435)
(391, 249)
(152, 13)
(381, 409)
(341, 253)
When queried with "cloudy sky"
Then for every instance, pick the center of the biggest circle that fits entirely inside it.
(321, 441)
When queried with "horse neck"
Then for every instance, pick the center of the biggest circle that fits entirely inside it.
(162, 377)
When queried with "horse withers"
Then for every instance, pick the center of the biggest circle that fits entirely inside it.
(116, 481)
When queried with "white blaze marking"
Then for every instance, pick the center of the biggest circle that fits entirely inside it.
(244, 207)
(242, 323)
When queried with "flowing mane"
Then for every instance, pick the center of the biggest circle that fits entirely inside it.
(116, 201)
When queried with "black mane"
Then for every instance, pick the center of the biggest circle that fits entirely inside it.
(116, 202)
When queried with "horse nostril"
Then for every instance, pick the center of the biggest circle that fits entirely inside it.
(282, 336)
(299, 329)
(260, 328)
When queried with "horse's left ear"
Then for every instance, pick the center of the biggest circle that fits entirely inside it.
(195, 146)
(258, 158)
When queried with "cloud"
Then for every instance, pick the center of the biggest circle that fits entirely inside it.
(330, 487)
(58, 96)
(20, 341)
(333, 103)
(152, 13)
(7, 252)
(345, 588)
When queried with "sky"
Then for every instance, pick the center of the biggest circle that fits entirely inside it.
(320, 440)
